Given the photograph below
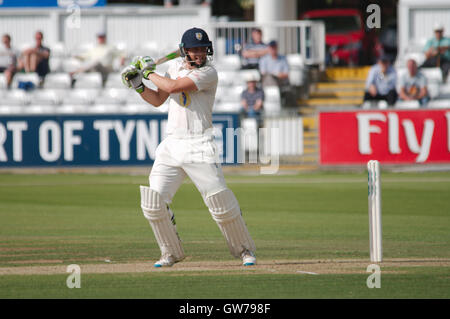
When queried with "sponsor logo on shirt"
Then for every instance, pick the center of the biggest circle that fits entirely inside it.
(185, 99)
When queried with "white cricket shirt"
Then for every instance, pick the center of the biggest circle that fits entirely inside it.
(190, 113)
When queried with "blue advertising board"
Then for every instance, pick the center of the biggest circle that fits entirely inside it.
(103, 140)
(50, 3)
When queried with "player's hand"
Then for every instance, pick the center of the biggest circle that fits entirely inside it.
(132, 78)
(147, 66)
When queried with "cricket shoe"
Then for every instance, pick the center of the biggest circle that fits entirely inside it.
(248, 258)
(166, 261)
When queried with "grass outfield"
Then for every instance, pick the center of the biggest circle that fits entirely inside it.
(311, 231)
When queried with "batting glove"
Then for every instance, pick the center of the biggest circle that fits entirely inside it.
(132, 78)
(147, 66)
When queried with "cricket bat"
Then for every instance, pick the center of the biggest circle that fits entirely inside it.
(172, 55)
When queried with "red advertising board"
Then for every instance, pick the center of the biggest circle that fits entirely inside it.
(391, 137)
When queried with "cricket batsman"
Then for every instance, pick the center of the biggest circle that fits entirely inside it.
(188, 149)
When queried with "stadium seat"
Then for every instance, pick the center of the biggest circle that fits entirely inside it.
(39, 109)
(433, 89)
(48, 96)
(25, 77)
(3, 84)
(72, 109)
(444, 92)
(57, 81)
(16, 97)
(114, 80)
(272, 94)
(227, 77)
(439, 104)
(227, 107)
(104, 108)
(133, 108)
(55, 64)
(113, 96)
(407, 105)
(229, 62)
(296, 77)
(231, 94)
(81, 96)
(147, 48)
(11, 109)
(89, 80)
(58, 49)
(83, 48)
(271, 108)
(295, 61)
(432, 74)
(250, 75)
(70, 65)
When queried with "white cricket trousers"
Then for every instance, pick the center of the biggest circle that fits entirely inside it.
(178, 157)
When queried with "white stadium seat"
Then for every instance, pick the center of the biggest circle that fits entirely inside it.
(3, 83)
(114, 80)
(104, 108)
(228, 62)
(70, 65)
(295, 61)
(72, 109)
(89, 80)
(407, 105)
(444, 91)
(25, 77)
(432, 74)
(58, 49)
(57, 81)
(112, 96)
(433, 89)
(16, 97)
(227, 77)
(439, 104)
(147, 48)
(55, 64)
(272, 94)
(296, 77)
(250, 75)
(227, 107)
(271, 108)
(39, 109)
(11, 109)
(81, 96)
(48, 96)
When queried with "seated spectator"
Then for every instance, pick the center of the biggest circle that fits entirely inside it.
(253, 51)
(35, 59)
(99, 59)
(274, 68)
(169, 3)
(8, 59)
(437, 51)
(381, 82)
(413, 84)
(252, 99)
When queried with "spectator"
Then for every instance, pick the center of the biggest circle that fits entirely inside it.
(99, 59)
(381, 82)
(253, 51)
(36, 59)
(169, 3)
(413, 84)
(437, 51)
(8, 59)
(274, 68)
(252, 99)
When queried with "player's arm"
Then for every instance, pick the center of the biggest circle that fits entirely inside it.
(173, 86)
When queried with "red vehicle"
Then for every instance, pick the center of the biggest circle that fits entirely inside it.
(347, 40)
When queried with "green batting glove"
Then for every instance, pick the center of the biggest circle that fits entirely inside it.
(147, 65)
(132, 78)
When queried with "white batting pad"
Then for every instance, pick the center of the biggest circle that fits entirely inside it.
(155, 210)
(225, 210)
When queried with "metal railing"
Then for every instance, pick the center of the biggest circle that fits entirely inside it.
(302, 37)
